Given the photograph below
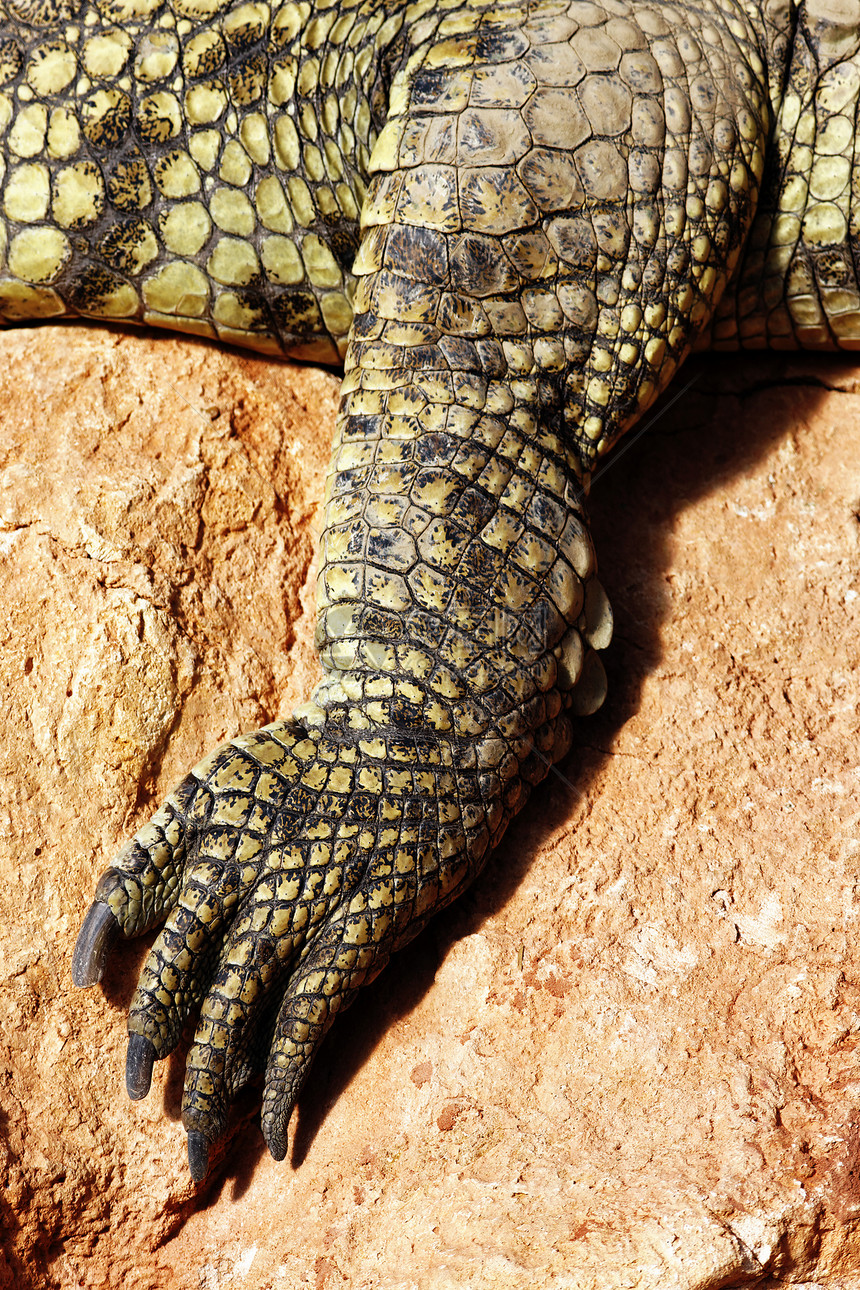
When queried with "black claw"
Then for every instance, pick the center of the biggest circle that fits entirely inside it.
(277, 1147)
(95, 939)
(138, 1066)
(275, 1134)
(198, 1156)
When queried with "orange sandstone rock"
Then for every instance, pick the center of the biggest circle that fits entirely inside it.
(629, 1055)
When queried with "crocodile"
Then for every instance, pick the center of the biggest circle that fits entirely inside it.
(510, 221)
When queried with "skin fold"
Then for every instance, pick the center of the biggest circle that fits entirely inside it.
(510, 222)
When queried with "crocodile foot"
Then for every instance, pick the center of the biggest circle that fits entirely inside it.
(289, 865)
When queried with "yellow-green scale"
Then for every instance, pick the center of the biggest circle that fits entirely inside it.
(197, 166)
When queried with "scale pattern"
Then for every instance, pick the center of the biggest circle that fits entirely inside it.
(511, 219)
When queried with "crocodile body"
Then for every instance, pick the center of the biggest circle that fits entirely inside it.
(511, 221)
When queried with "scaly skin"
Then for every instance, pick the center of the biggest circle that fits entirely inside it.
(553, 198)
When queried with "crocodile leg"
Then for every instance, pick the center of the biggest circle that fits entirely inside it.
(332, 842)
(554, 208)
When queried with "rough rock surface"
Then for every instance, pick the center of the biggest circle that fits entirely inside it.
(629, 1056)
